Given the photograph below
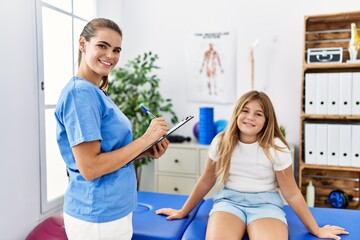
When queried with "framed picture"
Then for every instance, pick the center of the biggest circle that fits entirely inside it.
(211, 67)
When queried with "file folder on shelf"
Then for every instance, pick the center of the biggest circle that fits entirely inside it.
(333, 144)
(355, 101)
(321, 144)
(321, 93)
(333, 93)
(345, 145)
(310, 143)
(310, 93)
(355, 146)
(345, 93)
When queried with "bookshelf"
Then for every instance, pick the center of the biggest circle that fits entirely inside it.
(327, 31)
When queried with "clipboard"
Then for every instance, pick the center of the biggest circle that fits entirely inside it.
(170, 131)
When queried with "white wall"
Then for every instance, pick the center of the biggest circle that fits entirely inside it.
(163, 26)
(160, 26)
(19, 164)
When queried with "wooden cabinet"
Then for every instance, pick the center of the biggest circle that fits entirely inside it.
(180, 167)
(327, 31)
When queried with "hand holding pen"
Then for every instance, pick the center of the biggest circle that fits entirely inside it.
(148, 112)
(158, 127)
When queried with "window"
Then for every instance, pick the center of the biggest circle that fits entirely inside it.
(59, 25)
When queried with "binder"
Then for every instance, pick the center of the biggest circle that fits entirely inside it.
(333, 93)
(321, 144)
(333, 144)
(355, 146)
(310, 93)
(321, 93)
(345, 145)
(345, 93)
(355, 101)
(310, 143)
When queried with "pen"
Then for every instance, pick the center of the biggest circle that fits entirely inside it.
(147, 111)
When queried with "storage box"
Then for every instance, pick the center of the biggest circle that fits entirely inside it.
(324, 55)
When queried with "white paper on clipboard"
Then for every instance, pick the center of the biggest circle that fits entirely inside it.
(173, 129)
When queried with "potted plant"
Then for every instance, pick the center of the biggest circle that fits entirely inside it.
(134, 85)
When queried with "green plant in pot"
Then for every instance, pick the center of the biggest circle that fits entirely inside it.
(134, 85)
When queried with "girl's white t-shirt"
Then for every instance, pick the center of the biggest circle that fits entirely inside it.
(250, 169)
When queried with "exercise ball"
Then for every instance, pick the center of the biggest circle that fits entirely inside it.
(220, 125)
(196, 130)
(51, 228)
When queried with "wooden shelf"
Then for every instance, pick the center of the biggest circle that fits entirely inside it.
(332, 18)
(329, 178)
(329, 167)
(329, 117)
(329, 66)
(326, 31)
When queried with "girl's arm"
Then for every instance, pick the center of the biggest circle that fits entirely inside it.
(295, 199)
(202, 187)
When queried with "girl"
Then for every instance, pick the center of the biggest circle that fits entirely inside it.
(251, 158)
(96, 142)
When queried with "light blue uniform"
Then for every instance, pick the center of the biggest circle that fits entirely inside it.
(84, 113)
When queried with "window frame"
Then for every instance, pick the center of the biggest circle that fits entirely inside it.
(55, 204)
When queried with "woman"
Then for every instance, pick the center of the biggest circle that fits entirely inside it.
(251, 158)
(96, 142)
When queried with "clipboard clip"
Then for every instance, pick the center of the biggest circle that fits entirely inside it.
(187, 118)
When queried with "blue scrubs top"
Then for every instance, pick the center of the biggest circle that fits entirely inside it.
(84, 113)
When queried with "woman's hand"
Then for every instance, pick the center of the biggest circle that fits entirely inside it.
(171, 213)
(158, 150)
(332, 232)
(158, 127)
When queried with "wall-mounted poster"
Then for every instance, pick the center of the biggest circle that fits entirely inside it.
(211, 67)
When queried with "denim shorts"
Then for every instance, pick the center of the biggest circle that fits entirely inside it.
(249, 206)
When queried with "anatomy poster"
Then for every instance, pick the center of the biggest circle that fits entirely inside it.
(211, 67)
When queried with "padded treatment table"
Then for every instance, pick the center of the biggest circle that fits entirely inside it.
(197, 227)
(149, 226)
(146, 224)
(349, 219)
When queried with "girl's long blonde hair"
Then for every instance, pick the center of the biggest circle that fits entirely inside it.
(230, 137)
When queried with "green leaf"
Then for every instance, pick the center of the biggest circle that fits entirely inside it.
(136, 84)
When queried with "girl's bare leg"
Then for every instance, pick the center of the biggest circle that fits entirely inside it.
(223, 225)
(268, 229)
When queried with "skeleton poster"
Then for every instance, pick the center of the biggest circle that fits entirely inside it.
(211, 67)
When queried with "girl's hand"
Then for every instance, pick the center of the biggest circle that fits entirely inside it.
(171, 213)
(332, 232)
